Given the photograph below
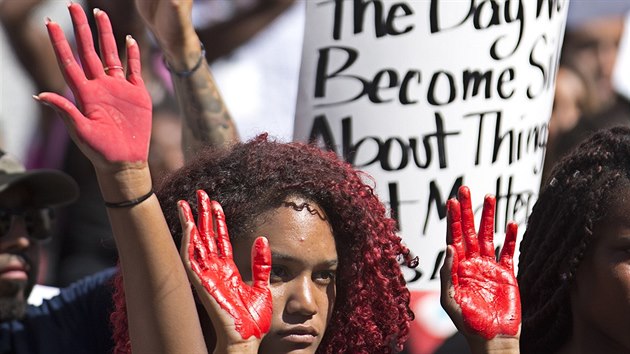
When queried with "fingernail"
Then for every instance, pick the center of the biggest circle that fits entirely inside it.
(96, 11)
(36, 98)
(130, 40)
(47, 20)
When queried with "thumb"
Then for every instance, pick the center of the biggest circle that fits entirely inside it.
(66, 109)
(187, 248)
(448, 282)
(507, 253)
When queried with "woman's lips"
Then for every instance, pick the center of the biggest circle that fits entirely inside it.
(299, 334)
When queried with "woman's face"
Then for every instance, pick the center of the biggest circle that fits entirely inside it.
(600, 298)
(304, 263)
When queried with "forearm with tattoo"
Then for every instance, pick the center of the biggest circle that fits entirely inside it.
(206, 120)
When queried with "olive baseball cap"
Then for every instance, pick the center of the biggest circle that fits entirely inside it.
(48, 188)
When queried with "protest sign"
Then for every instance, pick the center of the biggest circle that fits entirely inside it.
(426, 96)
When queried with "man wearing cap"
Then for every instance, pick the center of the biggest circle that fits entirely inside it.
(76, 321)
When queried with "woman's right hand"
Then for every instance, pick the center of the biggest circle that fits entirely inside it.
(241, 314)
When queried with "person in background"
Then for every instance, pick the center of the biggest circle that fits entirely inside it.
(591, 44)
(590, 51)
(570, 103)
(77, 319)
(574, 261)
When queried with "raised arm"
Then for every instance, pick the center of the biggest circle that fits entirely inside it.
(480, 294)
(206, 118)
(111, 124)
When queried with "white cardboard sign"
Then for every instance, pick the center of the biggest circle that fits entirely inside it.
(428, 95)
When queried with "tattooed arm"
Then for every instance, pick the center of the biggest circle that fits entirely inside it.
(206, 118)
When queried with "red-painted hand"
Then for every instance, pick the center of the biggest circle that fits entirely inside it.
(485, 290)
(208, 258)
(113, 120)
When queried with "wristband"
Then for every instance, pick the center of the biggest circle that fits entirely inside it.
(130, 203)
(187, 73)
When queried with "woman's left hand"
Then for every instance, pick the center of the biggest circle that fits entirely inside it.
(480, 294)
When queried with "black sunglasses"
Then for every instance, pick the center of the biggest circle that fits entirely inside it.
(38, 221)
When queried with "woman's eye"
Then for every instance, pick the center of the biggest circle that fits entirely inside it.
(325, 277)
(278, 273)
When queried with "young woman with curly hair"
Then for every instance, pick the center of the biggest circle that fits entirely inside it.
(353, 298)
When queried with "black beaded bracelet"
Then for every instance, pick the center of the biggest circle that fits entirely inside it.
(187, 73)
(130, 203)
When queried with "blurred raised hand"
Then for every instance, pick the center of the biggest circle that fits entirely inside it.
(170, 21)
(207, 121)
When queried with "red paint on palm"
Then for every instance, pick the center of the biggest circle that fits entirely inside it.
(485, 290)
(113, 118)
(210, 256)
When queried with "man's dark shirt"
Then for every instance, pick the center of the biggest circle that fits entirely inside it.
(75, 321)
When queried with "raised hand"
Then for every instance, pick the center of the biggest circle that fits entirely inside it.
(237, 310)
(171, 23)
(111, 122)
(207, 121)
(480, 294)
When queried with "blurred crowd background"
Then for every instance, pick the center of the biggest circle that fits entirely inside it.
(252, 46)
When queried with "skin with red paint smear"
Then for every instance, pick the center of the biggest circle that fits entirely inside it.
(102, 96)
(210, 256)
(486, 290)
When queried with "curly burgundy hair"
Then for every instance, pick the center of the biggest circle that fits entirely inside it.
(371, 313)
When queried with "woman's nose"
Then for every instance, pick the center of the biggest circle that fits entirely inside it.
(302, 299)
